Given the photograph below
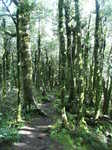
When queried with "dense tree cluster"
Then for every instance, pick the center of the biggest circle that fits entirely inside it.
(74, 62)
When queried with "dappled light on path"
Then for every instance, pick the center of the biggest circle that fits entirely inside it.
(36, 135)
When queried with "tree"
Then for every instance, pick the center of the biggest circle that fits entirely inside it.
(62, 60)
(24, 18)
(79, 67)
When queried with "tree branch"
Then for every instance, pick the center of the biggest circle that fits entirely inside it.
(15, 2)
(2, 15)
(10, 34)
(9, 12)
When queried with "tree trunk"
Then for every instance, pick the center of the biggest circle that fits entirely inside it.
(38, 60)
(62, 60)
(18, 67)
(68, 35)
(4, 62)
(24, 18)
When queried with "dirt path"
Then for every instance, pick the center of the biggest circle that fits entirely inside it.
(36, 135)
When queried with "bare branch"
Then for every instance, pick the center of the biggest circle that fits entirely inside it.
(10, 34)
(2, 15)
(15, 2)
(9, 12)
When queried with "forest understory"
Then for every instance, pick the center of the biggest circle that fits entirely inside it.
(45, 132)
(55, 75)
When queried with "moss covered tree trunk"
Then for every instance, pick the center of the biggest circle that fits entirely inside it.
(68, 36)
(3, 76)
(4, 61)
(107, 88)
(97, 78)
(62, 61)
(18, 68)
(24, 18)
(38, 60)
(79, 67)
(70, 74)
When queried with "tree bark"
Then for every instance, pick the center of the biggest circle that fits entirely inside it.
(24, 18)
(62, 59)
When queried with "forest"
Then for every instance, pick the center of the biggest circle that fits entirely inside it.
(55, 75)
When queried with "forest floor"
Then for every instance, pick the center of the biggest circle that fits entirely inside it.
(43, 133)
(35, 135)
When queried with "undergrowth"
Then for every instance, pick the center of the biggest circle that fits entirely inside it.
(62, 136)
(9, 129)
(98, 137)
(84, 139)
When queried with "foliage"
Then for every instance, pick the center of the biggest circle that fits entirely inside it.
(89, 140)
(62, 136)
(84, 139)
(9, 130)
(9, 134)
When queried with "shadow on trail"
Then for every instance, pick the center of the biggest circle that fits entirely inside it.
(36, 135)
